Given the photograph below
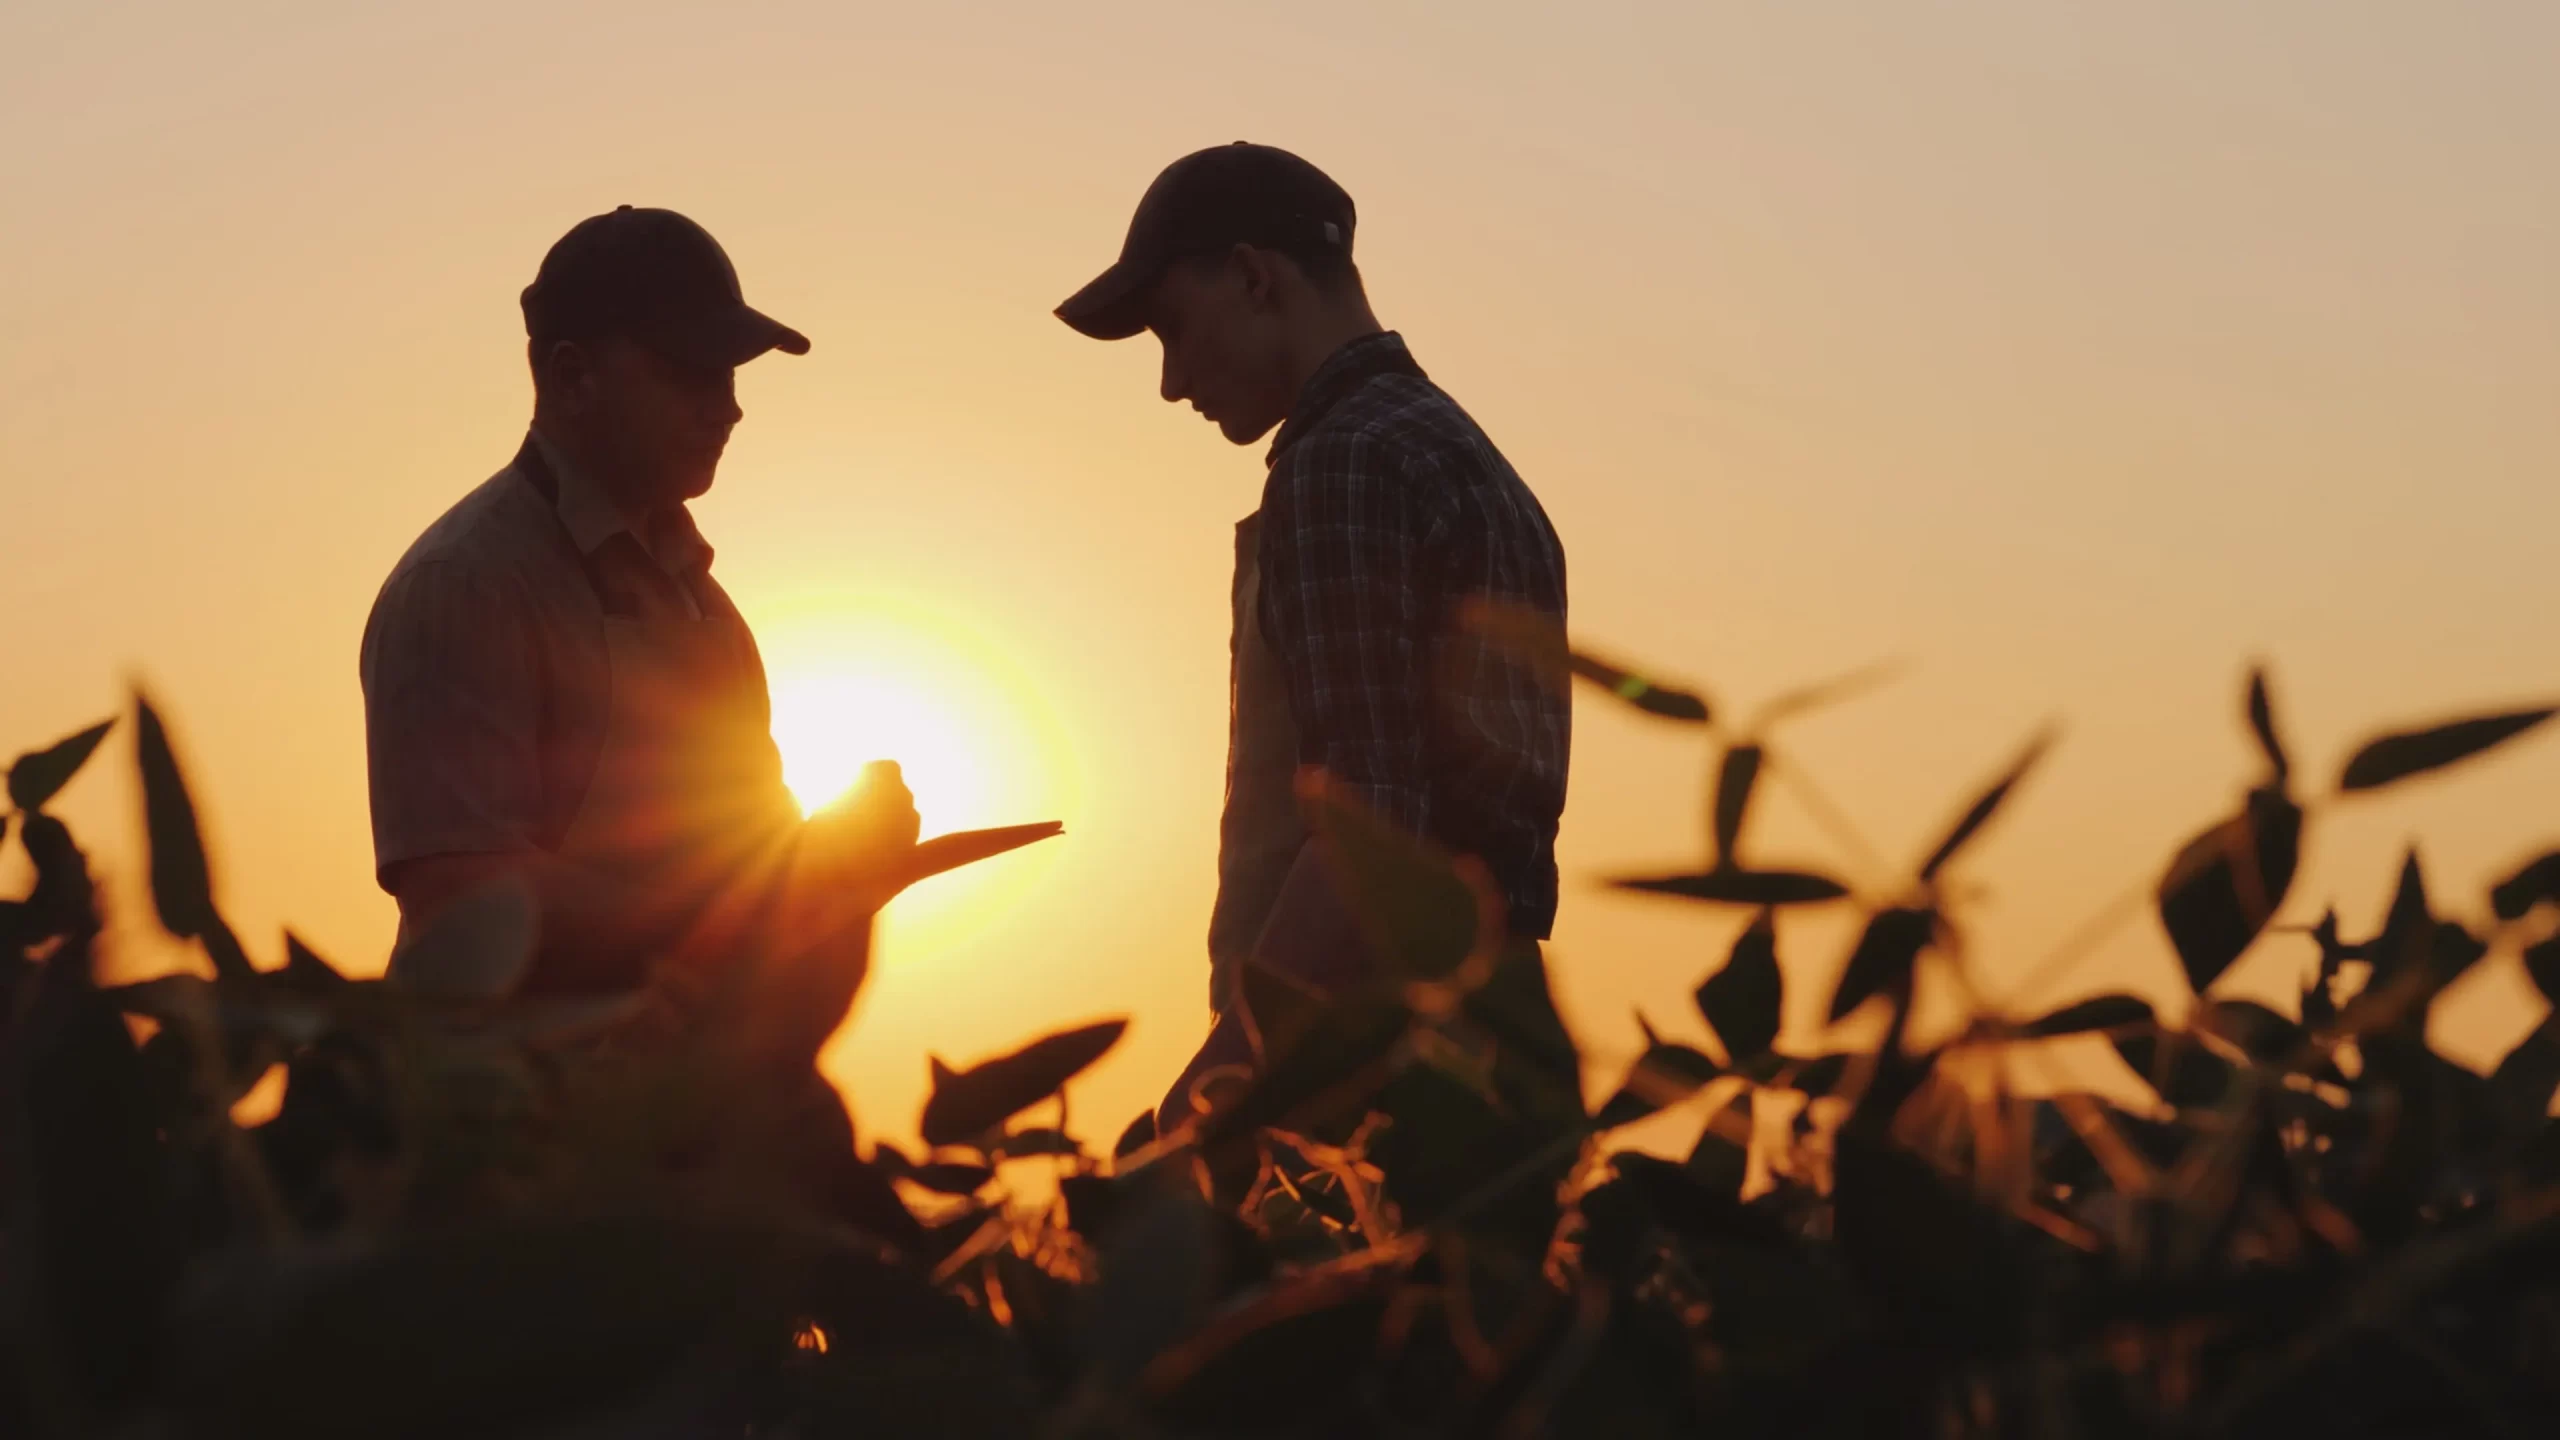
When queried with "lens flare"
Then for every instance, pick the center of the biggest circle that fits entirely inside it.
(855, 681)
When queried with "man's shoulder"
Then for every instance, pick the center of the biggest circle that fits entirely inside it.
(1387, 426)
(1403, 425)
(496, 534)
(492, 562)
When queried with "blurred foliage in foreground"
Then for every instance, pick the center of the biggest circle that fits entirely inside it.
(515, 1219)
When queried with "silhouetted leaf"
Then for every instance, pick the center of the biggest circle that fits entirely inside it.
(2260, 1033)
(1715, 1161)
(1425, 915)
(1018, 1144)
(181, 883)
(2103, 1012)
(1093, 1201)
(1734, 780)
(1447, 1139)
(2226, 883)
(1758, 889)
(2542, 965)
(38, 777)
(1983, 808)
(1639, 691)
(1745, 999)
(64, 902)
(2515, 896)
(1137, 1135)
(968, 1103)
(1665, 1075)
(946, 1178)
(1689, 1203)
(2185, 1073)
(2455, 951)
(2407, 941)
(1816, 1076)
(1820, 693)
(2334, 953)
(175, 999)
(2262, 721)
(2397, 757)
(1883, 960)
(304, 969)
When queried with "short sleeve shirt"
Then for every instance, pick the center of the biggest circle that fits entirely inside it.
(486, 676)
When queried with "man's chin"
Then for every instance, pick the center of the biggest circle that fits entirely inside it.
(1245, 432)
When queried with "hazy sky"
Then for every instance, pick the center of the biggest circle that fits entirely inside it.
(2071, 353)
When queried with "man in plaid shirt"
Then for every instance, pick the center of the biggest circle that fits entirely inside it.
(1386, 515)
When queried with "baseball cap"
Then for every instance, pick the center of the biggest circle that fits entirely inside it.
(1239, 194)
(655, 277)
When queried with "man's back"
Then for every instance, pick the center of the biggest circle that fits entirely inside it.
(485, 682)
(1387, 511)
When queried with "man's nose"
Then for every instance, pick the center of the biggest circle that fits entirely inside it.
(1175, 386)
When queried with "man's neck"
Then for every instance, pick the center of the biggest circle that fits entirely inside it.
(594, 466)
(1323, 338)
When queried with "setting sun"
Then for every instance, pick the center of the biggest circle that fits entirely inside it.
(859, 680)
(830, 723)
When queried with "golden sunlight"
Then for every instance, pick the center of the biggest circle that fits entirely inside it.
(830, 723)
(855, 681)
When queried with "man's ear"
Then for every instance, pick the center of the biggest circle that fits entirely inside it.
(1260, 271)
(563, 370)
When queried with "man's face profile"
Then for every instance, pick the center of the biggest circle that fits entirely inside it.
(1218, 322)
(662, 424)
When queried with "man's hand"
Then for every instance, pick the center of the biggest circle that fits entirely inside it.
(862, 846)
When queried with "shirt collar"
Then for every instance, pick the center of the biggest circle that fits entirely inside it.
(591, 517)
(1345, 370)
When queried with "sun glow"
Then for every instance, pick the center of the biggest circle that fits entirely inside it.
(853, 682)
(831, 723)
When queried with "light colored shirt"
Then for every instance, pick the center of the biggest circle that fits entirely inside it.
(485, 672)
(592, 518)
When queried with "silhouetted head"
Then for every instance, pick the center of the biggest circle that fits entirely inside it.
(636, 327)
(1239, 260)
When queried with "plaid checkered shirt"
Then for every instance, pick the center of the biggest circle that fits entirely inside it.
(1386, 511)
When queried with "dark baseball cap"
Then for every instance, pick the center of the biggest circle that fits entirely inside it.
(655, 277)
(1203, 203)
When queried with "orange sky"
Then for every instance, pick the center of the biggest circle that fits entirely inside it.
(2071, 353)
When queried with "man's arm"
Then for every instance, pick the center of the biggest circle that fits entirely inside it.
(1343, 531)
(453, 705)
(453, 713)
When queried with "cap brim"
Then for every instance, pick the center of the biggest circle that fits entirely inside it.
(757, 332)
(1113, 306)
(732, 337)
